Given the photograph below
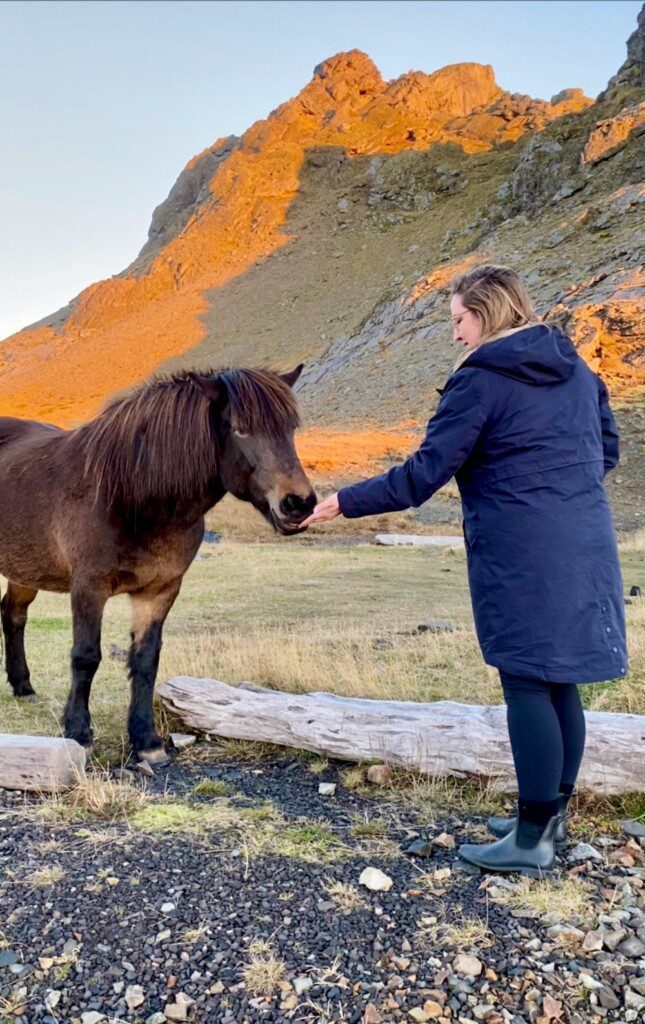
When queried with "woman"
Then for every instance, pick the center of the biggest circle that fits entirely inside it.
(525, 427)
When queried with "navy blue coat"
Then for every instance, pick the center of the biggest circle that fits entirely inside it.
(525, 428)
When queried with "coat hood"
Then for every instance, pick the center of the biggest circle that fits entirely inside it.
(541, 354)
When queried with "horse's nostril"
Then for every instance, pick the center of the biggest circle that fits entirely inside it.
(295, 505)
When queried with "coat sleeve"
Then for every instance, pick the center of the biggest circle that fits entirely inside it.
(450, 436)
(608, 427)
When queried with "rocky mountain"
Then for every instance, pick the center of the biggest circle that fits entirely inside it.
(329, 232)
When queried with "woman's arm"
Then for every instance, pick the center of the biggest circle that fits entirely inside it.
(451, 435)
(608, 427)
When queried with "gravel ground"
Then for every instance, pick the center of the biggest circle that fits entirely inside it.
(105, 922)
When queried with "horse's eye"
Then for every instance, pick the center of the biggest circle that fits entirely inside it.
(239, 434)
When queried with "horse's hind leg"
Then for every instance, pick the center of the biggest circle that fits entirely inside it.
(87, 612)
(149, 613)
(14, 607)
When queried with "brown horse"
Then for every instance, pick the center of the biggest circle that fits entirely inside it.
(117, 507)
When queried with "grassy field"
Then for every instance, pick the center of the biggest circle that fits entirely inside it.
(303, 615)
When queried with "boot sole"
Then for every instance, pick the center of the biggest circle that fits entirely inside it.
(517, 869)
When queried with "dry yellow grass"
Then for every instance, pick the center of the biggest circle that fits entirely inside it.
(344, 895)
(553, 900)
(454, 928)
(95, 795)
(265, 971)
(301, 618)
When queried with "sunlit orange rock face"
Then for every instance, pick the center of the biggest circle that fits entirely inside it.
(228, 209)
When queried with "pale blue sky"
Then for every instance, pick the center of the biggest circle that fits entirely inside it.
(102, 104)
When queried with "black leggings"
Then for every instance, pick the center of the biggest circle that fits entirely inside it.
(546, 725)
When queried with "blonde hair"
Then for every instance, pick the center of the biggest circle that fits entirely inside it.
(497, 297)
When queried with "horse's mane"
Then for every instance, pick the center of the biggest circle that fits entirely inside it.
(156, 443)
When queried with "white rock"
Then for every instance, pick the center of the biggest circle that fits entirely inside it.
(590, 983)
(470, 965)
(182, 740)
(300, 985)
(565, 932)
(92, 1017)
(118, 987)
(179, 1009)
(52, 998)
(376, 880)
(327, 788)
(156, 1018)
(134, 996)
(167, 908)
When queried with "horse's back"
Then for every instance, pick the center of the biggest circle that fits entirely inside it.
(22, 432)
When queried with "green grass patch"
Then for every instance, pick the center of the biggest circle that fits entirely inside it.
(212, 787)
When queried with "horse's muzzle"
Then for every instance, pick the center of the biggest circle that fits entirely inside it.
(294, 509)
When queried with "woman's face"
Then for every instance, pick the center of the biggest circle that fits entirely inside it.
(466, 324)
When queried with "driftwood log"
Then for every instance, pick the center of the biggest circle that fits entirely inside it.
(439, 738)
(45, 764)
(406, 540)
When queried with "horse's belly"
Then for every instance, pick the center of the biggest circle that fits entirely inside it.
(28, 560)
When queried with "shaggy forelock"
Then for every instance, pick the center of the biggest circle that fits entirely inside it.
(156, 442)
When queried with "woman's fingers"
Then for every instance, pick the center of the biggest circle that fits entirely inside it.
(324, 511)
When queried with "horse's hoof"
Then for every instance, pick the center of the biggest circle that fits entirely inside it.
(157, 757)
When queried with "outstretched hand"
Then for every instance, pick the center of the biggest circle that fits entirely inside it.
(324, 510)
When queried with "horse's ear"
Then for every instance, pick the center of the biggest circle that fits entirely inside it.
(212, 387)
(292, 377)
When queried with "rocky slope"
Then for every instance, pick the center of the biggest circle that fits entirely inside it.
(329, 232)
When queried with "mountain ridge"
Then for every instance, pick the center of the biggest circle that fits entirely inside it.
(228, 209)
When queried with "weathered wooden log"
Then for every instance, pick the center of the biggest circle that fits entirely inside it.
(45, 764)
(439, 738)
(406, 540)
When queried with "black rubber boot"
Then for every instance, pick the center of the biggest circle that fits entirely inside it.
(528, 849)
(503, 826)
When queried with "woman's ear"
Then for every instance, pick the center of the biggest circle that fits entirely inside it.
(212, 387)
(292, 377)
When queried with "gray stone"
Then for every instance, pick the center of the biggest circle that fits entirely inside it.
(92, 1017)
(633, 828)
(8, 957)
(638, 984)
(612, 939)
(436, 626)
(156, 1018)
(582, 852)
(633, 1001)
(632, 947)
(608, 998)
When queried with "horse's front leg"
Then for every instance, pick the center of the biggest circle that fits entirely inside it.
(88, 602)
(149, 611)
